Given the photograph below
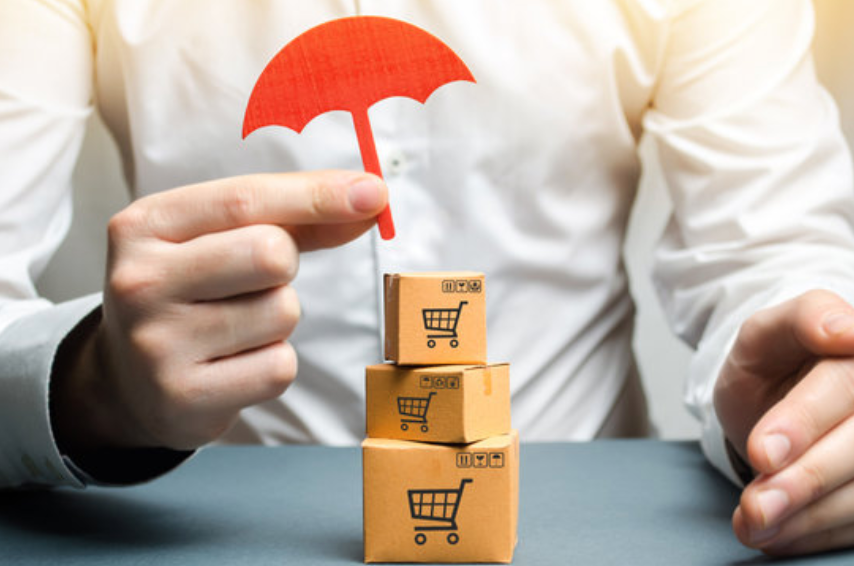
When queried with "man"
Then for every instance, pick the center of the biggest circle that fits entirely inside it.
(528, 176)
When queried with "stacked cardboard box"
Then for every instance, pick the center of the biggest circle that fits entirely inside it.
(441, 463)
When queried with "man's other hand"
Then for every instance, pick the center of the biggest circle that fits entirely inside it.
(785, 399)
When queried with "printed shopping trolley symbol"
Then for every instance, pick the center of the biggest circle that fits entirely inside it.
(443, 324)
(414, 410)
(438, 507)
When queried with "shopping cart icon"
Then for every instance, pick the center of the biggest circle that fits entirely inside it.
(436, 506)
(443, 324)
(414, 410)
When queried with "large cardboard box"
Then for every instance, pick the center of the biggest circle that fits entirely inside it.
(451, 404)
(441, 503)
(435, 318)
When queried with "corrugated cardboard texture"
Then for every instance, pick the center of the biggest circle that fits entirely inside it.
(453, 404)
(441, 503)
(435, 318)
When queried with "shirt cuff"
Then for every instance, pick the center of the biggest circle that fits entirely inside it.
(28, 451)
(29, 455)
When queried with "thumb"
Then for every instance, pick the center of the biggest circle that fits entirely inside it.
(783, 338)
(774, 349)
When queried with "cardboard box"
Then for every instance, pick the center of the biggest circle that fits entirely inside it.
(435, 318)
(452, 404)
(441, 503)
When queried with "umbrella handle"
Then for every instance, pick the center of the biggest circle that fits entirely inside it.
(371, 162)
(385, 223)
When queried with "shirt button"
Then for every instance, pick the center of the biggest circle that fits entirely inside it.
(395, 163)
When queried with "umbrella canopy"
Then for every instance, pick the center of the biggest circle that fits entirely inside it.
(349, 64)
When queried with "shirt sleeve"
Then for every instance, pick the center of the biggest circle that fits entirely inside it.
(759, 175)
(46, 75)
(45, 100)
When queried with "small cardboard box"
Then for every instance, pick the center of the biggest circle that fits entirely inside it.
(435, 318)
(452, 404)
(441, 503)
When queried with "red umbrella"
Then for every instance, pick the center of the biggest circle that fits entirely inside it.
(349, 64)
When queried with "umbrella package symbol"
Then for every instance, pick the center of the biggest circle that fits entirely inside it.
(350, 64)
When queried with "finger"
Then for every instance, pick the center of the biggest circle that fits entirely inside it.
(227, 327)
(226, 264)
(314, 237)
(769, 500)
(211, 399)
(820, 401)
(325, 197)
(833, 511)
(751, 537)
(831, 539)
(785, 336)
(249, 378)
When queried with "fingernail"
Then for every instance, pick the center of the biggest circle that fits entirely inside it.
(772, 504)
(758, 537)
(777, 448)
(838, 323)
(365, 194)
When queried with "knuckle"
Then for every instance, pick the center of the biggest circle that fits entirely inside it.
(274, 254)
(288, 307)
(813, 480)
(239, 203)
(128, 222)
(324, 197)
(805, 428)
(283, 369)
(131, 282)
(281, 312)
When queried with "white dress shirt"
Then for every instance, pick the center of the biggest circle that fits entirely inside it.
(528, 176)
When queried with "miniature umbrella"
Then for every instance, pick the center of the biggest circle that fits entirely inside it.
(350, 64)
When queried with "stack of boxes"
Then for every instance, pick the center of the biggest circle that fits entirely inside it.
(441, 463)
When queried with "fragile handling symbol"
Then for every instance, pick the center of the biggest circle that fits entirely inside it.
(440, 382)
(462, 286)
(480, 459)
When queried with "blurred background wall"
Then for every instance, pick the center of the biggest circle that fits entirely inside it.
(100, 191)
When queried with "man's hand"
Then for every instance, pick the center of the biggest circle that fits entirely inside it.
(786, 401)
(198, 307)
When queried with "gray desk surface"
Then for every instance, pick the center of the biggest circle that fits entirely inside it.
(606, 502)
